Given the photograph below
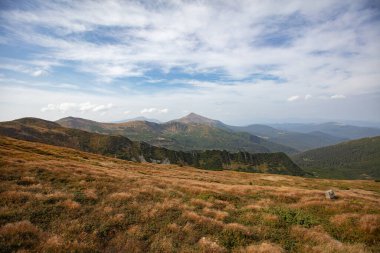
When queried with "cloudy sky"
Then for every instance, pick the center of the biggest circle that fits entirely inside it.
(238, 61)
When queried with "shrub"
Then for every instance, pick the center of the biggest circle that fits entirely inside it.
(81, 198)
(19, 235)
(295, 217)
(44, 215)
(234, 236)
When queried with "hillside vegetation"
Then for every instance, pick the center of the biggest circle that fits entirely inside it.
(38, 130)
(358, 159)
(188, 133)
(332, 128)
(197, 132)
(55, 199)
(299, 141)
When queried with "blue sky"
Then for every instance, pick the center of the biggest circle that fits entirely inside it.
(238, 61)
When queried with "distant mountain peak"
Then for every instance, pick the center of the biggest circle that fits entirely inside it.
(198, 119)
(193, 115)
(73, 118)
(36, 122)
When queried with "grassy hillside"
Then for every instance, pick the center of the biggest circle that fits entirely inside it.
(38, 130)
(183, 134)
(56, 199)
(299, 141)
(356, 159)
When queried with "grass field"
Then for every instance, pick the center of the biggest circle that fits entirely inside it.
(55, 199)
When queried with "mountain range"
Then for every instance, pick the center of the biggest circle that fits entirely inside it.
(192, 132)
(118, 146)
(205, 143)
(197, 132)
(296, 140)
(336, 129)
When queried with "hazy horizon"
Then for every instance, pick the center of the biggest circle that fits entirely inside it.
(273, 123)
(241, 63)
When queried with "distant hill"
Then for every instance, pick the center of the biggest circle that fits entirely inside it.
(193, 132)
(139, 119)
(194, 118)
(198, 132)
(38, 130)
(332, 128)
(357, 159)
(299, 141)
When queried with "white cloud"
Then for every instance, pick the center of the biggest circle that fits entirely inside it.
(83, 107)
(39, 72)
(154, 110)
(308, 96)
(324, 54)
(293, 98)
(87, 106)
(33, 68)
(64, 107)
(102, 107)
(165, 110)
(226, 104)
(148, 110)
(127, 112)
(49, 107)
(338, 96)
(66, 86)
(200, 37)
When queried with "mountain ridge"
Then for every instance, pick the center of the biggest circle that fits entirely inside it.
(332, 128)
(37, 130)
(141, 118)
(177, 133)
(355, 159)
(183, 136)
(198, 119)
(299, 141)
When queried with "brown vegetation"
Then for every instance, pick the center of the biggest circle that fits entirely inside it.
(58, 200)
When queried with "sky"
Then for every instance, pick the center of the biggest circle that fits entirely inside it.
(242, 62)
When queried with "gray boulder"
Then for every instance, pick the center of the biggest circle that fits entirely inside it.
(330, 194)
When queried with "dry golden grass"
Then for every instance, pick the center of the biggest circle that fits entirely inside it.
(20, 234)
(264, 247)
(341, 219)
(70, 204)
(216, 214)
(317, 240)
(370, 223)
(207, 245)
(61, 200)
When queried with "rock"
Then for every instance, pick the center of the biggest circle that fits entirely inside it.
(330, 194)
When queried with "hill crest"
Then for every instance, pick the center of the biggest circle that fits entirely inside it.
(193, 118)
(123, 148)
(356, 159)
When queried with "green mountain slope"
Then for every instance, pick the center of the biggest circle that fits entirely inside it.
(332, 128)
(192, 132)
(299, 141)
(37, 130)
(358, 159)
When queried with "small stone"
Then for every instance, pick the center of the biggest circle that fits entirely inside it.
(330, 194)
